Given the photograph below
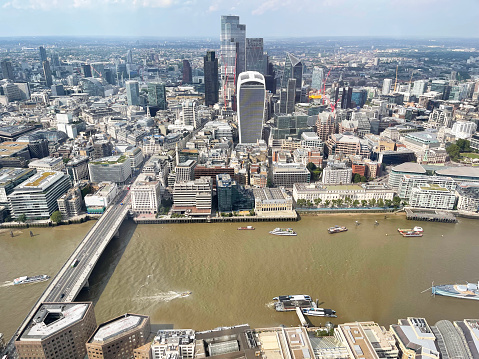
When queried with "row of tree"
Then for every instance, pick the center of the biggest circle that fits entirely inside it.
(349, 202)
(454, 150)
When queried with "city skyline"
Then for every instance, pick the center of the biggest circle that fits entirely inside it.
(173, 18)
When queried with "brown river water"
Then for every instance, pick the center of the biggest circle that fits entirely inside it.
(369, 272)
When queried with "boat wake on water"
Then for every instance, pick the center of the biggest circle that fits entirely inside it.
(165, 296)
(6, 284)
(269, 305)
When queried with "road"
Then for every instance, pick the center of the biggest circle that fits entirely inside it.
(70, 280)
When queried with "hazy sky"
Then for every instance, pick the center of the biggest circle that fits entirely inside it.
(263, 18)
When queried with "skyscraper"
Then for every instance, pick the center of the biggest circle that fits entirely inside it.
(293, 69)
(7, 69)
(211, 78)
(43, 54)
(157, 95)
(97, 70)
(419, 88)
(318, 78)
(232, 50)
(132, 93)
(386, 86)
(256, 60)
(86, 70)
(187, 79)
(129, 57)
(251, 102)
(288, 97)
(47, 73)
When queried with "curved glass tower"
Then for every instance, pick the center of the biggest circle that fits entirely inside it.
(251, 102)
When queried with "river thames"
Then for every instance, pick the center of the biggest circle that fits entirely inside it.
(367, 273)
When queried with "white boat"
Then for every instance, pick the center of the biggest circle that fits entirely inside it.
(283, 232)
(319, 312)
(26, 279)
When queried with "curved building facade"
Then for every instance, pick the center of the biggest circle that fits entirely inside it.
(251, 102)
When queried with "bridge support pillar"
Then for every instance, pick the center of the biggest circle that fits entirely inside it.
(117, 234)
(86, 285)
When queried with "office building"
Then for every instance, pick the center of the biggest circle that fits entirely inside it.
(86, 70)
(37, 196)
(47, 74)
(460, 174)
(231, 197)
(119, 337)
(57, 330)
(312, 141)
(318, 78)
(48, 164)
(432, 196)
(210, 66)
(293, 69)
(419, 88)
(7, 69)
(185, 171)
(42, 54)
(409, 168)
(157, 95)
(174, 343)
(467, 197)
(145, 195)
(286, 174)
(232, 50)
(408, 182)
(337, 173)
(355, 192)
(77, 169)
(325, 125)
(129, 57)
(71, 203)
(189, 113)
(100, 200)
(468, 330)
(463, 129)
(287, 97)
(187, 73)
(387, 83)
(10, 178)
(290, 126)
(256, 60)
(193, 198)
(251, 106)
(132, 93)
(415, 339)
(367, 340)
(102, 148)
(37, 144)
(347, 144)
(271, 201)
(57, 90)
(111, 169)
(98, 70)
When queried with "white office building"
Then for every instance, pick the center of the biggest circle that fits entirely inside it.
(48, 164)
(408, 182)
(311, 140)
(145, 195)
(173, 344)
(387, 83)
(193, 198)
(433, 197)
(337, 173)
(37, 196)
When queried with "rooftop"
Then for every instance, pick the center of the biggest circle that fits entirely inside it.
(410, 167)
(117, 327)
(471, 172)
(51, 318)
(10, 148)
(46, 161)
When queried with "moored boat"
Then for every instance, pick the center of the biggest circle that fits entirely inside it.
(415, 229)
(283, 232)
(465, 291)
(286, 303)
(34, 279)
(337, 229)
(246, 228)
(319, 312)
(411, 234)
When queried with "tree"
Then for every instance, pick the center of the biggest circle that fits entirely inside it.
(327, 203)
(251, 212)
(356, 178)
(372, 202)
(380, 202)
(22, 218)
(317, 201)
(355, 203)
(339, 201)
(300, 202)
(464, 145)
(364, 203)
(396, 202)
(388, 203)
(311, 166)
(269, 183)
(309, 203)
(454, 152)
(334, 203)
(56, 217)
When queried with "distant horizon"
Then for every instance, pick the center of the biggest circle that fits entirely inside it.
(263, 18)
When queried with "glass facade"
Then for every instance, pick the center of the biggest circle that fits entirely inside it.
(318, 78)
(256, 60)
(133, 93)
(157, 95)
(251, 106)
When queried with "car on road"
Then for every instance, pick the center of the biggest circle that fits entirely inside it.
(121, 204)
(62, 296)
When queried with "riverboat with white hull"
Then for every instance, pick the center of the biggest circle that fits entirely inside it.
(464, 291)
(283, 232)
(34, 279)
(287, 303)
(319, 312)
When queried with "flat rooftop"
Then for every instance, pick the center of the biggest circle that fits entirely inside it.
(46, 161)
(41, 180)
(8, 174)
(116, 327)
(10, 148)
(51, 318)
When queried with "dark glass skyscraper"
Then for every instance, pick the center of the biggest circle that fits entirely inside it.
(211, 78)
(187, 78)
(157, 95)
(293, 69)
(86, 70)
(43, 54)
(7, 69)
(47, 73)
(256, 60)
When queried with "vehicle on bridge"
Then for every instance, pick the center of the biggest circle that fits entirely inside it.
(75, 263)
